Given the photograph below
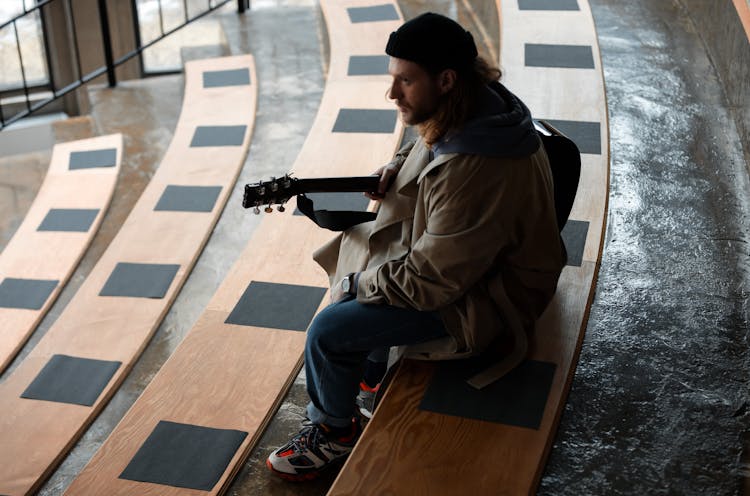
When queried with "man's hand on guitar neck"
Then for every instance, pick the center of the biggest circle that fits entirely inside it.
(389, 171)
(387, 175)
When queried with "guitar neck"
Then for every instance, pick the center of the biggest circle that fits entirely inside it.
(360, 184)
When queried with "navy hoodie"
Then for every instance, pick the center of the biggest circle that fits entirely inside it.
(501, 128)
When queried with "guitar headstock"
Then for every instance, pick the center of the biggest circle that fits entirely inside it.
(275, 191)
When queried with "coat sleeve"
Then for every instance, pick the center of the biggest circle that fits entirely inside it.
(470, 204)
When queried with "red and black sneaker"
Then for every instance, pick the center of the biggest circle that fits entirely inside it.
(315, 448)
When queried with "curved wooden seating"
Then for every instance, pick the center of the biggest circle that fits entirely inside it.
(46, 248)
(743, 10)
(498, 444)
(49, 400)
(228, 376)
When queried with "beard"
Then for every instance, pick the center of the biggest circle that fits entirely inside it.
(419, 114)
(414, 117)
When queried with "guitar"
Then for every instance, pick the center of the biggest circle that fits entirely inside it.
(277, 191)
(564, 158)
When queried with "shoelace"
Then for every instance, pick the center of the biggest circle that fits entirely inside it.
(310, 436)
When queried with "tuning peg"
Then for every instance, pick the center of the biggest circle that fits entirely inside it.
(281, 208)
(268, 209)
(256, 210)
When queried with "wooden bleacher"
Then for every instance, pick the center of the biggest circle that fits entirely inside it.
(57, 229)
(232, 370)
(65, 381)
(551, 60)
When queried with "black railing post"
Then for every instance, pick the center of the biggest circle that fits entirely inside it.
(23, 70)
(242, 6)
(107, 39)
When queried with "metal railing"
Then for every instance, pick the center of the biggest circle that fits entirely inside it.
(36, 96)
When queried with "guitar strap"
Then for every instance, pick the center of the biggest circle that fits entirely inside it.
(334, 220)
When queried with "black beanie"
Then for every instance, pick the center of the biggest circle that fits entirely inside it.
(433, 41)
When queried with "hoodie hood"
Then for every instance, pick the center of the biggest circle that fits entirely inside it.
(502, 128)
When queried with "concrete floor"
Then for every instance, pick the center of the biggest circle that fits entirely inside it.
(659, 404)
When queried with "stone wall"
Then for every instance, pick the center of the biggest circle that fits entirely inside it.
(729, 48)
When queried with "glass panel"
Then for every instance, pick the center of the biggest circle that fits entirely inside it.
(167, 54)
(11, 8)
(32, 47)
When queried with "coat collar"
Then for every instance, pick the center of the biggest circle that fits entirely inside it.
(435, 163)
(416, 166)
(406, 185)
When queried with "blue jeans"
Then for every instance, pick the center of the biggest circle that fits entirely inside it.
(339, 341)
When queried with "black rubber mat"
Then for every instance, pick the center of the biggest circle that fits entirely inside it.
(386, 12)
(142, 280)
(68, 219)
(30, 294)
(567, 56)
(231, 77)
(365, 121)
(278, 306)
(188, 198)
(92, 159)
(67, 379)
(516, 399)
(586, 135)
(368, 65)
(338, 201)
(548, 5)
(184, 455)
(574, 236)
(218, 136)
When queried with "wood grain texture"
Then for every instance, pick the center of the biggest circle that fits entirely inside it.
(234, 377)
(407, 451)
(53, 255)
(36, 435)
(347, 38)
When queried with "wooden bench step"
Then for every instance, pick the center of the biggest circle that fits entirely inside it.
(61, 386)
(432, 434)
(224, 382)
(57, 229)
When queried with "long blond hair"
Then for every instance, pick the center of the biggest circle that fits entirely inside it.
(458, 104)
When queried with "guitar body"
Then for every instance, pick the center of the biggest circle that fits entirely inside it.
(565, 162)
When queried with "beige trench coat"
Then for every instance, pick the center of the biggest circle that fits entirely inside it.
(472, 237)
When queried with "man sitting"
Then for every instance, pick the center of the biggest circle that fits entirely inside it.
(464, 254)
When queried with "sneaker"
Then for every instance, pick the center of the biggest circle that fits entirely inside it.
(312, 450)
(366, 399)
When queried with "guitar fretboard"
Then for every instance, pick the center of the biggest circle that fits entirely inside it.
(338, 184)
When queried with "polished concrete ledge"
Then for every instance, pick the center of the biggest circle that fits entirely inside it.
(729, 48)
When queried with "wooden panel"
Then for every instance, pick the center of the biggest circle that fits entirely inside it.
(232, 376)
(347, 38)
(53, 255)
(408, 451)
(743, 10)
(37, 434)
